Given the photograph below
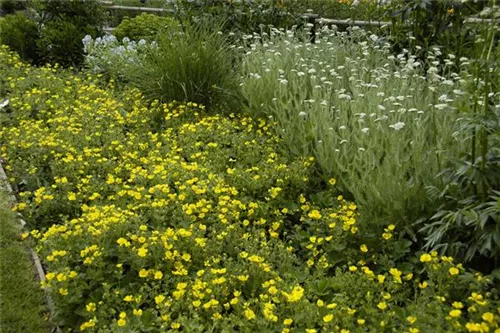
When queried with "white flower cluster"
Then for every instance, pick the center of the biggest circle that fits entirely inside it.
(105, 52)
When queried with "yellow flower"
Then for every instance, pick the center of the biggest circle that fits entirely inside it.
(423, 285)
(121, 322)
(488, 317)
(363, 248)
(332, 181)
(143, 273)
(128, 298)
(425, 257)
(328, 318)
(175, 326)
(382, 305)
(457, 305)
(137, 312)
(361, 321)
(454, 271)
(411, 319)
(142, 252)
(295, 295)
(314, 214)
(158, 275)
(455, 313)
(288, 322)
(413, 330)
(386, 235)
(63, 291)
(159, 299)
(353, 268)
(249, 314)
(91, 307)
(451, 11)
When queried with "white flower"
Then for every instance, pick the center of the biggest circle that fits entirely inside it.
(397, 126)
(302, 114)
(4, 103)
(441, 106)
(365, 130)
(283, 81)
(342, 128)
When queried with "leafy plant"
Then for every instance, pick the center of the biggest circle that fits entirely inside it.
(11, 6)
(145, 26)
(64, 24)
(418, 25)
(240, 17)
(468, 223)
(20, 33)
(58, 42)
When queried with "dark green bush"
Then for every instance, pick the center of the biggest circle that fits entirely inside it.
(11, 6)
(145, 26)
(20, 33)
(59, 42)
(65, 23)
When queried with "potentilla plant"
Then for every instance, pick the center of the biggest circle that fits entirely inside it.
(378, 122)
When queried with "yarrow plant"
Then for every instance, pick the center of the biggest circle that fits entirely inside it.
(382, 124)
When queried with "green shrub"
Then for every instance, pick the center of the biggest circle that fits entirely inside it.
(65, 23)
(467, 224)
(145, 26)
(240, 17)
(58, 44)
(197, 65)
(10, 6)
(20, 33)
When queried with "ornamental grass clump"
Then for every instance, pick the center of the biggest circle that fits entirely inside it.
(196, 64)
(379, 123)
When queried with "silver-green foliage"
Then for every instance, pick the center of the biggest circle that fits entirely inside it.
(382, 124)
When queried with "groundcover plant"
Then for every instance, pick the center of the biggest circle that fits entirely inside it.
(157, 217)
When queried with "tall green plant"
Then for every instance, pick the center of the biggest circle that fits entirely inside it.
(64, 24)
(468, 224)
(196, 65)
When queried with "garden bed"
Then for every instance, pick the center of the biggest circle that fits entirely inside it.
(158, 217)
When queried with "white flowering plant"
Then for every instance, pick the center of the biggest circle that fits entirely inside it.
(383, 124)
(113, 57)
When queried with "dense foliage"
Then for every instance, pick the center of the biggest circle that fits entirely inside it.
(145, 26)
(169, 219)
